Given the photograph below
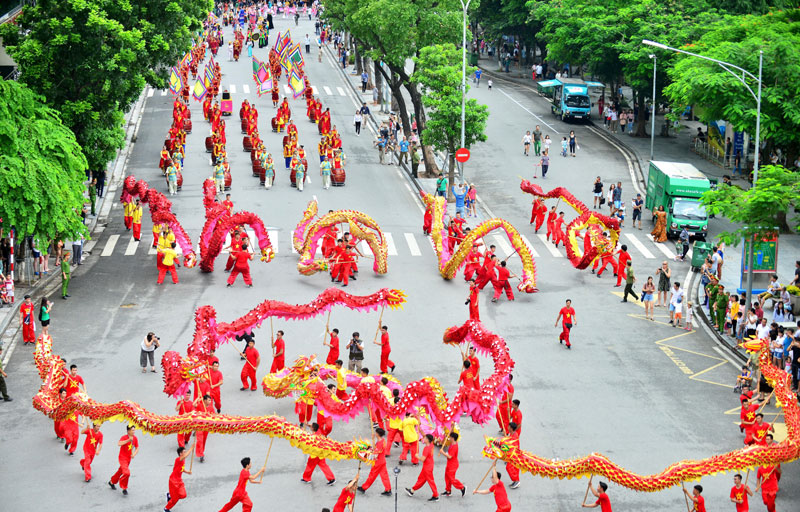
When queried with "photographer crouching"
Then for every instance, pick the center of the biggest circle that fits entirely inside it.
(149, 346)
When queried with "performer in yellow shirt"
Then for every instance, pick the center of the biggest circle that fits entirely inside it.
(136, 217)
(168, 263)
(127, 208)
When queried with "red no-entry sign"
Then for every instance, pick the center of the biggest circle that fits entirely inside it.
(462, 155)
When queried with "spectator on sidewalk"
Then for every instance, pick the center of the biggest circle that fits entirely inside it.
(441, 185)
(380, 143)
(3, 377)
(477, 79)
(77, 251)
(637, 211)
(65, 270)
(404, 150)
(414, 160)
(597, 192)
(623, 121)
(460, 193)
(364, 81)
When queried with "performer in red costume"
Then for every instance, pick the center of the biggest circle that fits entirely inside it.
(91, 449)
(474, 294)
(177, 491)
(242, 265)
(215, 381)
(26, 320)
(185, 406)
(206, 405)
(558, 234)
(551, 218)
(240, 493)
(568, 319)
(348, 496)
(473, 263)
(379, 468)
(768, 477)
(622, 260)
(499, 491)
(501, 283)
(253, 360)
(278, 353)
(450, 469)
(426, 474)
(333, 353)
(503, 414)
(538, 212)
(313, 462)
(513, 471)
(386, 350)
(128, 448)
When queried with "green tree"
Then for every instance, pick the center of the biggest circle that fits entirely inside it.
(91, 59)
(738, 40)
(438, 71)
(41, 167)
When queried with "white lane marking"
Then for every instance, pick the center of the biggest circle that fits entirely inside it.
(549, 246)
(287, 89)
(153, 251)
(661, 247)
(528, 111)
(232, 88)
(132, 246)
(327, 90)
(88, 246)
(414, 197)
(412, 244)
(504, 245)
(150, 92)
(314, 89)
(341, 91)
(639, 246)
(164, 92)
(109, 248)
(530, 246)
(363, 246)
(246, 89)
(624, 153)
(391, 249)
(273, 238)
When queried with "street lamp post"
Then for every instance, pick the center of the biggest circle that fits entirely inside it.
(741, 75)
(465, 7)
(653, 115)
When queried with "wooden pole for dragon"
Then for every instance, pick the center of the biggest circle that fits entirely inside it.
(686, 497)
(766, 402)
(268, 450)
(588, 487)
(380, 324)
(487, 474)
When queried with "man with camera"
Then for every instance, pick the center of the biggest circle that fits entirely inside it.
(149, 346)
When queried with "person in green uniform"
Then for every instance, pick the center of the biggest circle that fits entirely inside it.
(65, 276)
(721, 307)
(93, 194)
(711, 289)
(414, 160)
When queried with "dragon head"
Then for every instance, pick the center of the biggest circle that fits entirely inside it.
(498, 448)
(190, 260)
(394, 298)
(267, 254)
(179, 371)
(754, 344)
(362, 450)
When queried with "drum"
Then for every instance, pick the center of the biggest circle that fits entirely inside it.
(247, 144)
(180, 180)
(209, 145)
(337, 177)
(228, 180)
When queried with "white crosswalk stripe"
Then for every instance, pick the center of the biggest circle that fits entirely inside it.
(150, 92)
(273, 239)
(639, 246)
(412, 244)
(314, 89)
(132, 246)
(661, 247)
(232, 88)
(549, 246)
(88, 246)
(109, 247)
(530, 246)
(505, 247)
(287, 89)
(246, 89)
(341, 91)
(390, 247)
(327, 90)
(164, 92)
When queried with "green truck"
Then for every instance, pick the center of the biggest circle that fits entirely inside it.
(677, 187)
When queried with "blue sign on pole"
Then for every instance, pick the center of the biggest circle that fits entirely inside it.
(738, 141)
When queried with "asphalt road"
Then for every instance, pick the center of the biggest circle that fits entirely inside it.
(644, 393)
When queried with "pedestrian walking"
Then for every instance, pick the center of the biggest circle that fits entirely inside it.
(477, 79)
(526, 142)
(648, 290)
(149, 345)
(564, 145)
(568, 321)
(77, 250)
(537, 140)
(638, 202)
(629, 280)
(664, 275)
(308, 44)
(544, 163)
(597, 192)
(676, 304)
(357, 119)
(364, 81)
(573, 143)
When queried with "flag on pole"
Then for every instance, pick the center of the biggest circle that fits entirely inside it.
(277, 42)
(175, 81)
(256, 64)
(296, 83)
(296, 56)
(200, 90)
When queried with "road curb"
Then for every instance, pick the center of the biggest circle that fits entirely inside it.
(710, 329)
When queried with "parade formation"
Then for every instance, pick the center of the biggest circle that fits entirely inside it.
(428, 413)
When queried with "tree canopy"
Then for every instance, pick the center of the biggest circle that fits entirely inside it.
(90, 59)
(41, 167)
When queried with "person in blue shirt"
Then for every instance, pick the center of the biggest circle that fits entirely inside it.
(477, 80)
(404, 150)
(459, 192)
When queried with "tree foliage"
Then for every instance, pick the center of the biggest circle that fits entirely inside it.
(759, 208)
(438, 72)
(738, 40)
(41, 167)
(90, 59)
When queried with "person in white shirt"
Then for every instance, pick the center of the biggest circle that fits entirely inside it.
(675, 301)
(762, 330)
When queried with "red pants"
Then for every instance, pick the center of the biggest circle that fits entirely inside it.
(86, 463)
(249, 374)
(550, 231)
(122, 475)
(128, 222)
(344, 273)
(29, 332)
(177, 492)
(391, 435)
(162, 271)
(244, 499)
(200, 447)
(71, 433)
(499, 286)
(375, 472)
(559, 238)
(605, 260)
(470, 270)
(325, 424)
(155, 239)
(412, 447)
(183, 439)
(483, 279)
(620, 275)
(503, 418)
(450, 478)
(215, 394)
(245, 275)
(539, 221)
(564, 336)
(278, 364)
(229, 263)
(386, 363)
(474, 312)
(426, 476)
(304, 412)
(137, 231)
(312, 463)
(58, 429)
(769, 500)
(341, 394)
(513, 472)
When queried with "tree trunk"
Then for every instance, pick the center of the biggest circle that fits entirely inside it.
(397, 99)
(451, 177)
(378, 79)
(359, 63)
(395, 87)
(641, 124)
(419, 114)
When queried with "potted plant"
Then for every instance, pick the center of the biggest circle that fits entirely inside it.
(794, 293)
